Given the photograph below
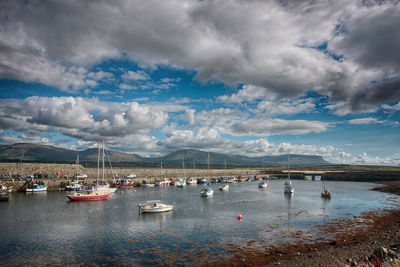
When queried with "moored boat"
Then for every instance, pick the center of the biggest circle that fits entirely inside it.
(262, 184)
(154, 206)
(36, 188)
(191, 181)
(163, 182)
(206, 192)
(224, 187)
(147, 184)
(202, 181)
(88, 195)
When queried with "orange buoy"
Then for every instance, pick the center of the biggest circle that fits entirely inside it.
(239, 217)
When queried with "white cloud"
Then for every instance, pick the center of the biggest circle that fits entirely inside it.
(87, 119)
(364, 121)
(135, 76)
(395, 107)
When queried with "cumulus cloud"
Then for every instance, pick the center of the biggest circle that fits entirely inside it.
(87, 119)
(135, 76)
(268, 44)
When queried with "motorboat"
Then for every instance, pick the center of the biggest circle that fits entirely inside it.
(181, 183)
(202, 181)
(36, 188)
(206, 192)
(89, 195)
(163, 182)
(154, 206)
(147, 184)
(214, 180)
(73, 186)
(224, 187)
(5, 189)
(262, 184)
(191, 181)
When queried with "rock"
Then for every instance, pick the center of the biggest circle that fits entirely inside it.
(381, 252)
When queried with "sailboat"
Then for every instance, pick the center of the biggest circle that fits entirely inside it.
(288, 188)
(98, 192)
(325, 192)
(207, 191)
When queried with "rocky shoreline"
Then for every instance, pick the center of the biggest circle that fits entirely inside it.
(376, 243)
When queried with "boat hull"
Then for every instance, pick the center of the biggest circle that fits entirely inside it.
(125, 186)
(36, 189)
(165, 209)
(89, 197)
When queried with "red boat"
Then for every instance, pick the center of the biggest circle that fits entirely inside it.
(88, 196)
(124, 184)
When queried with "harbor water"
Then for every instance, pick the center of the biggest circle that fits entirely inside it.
(46, 228)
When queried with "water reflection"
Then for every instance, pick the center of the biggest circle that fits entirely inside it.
(44, 225)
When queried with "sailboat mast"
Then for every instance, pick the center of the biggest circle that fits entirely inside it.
(209, 176)
(183, 165)
(288, 160)
(98, 163)
(103, 161)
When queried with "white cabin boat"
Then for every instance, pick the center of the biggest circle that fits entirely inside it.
(224, 187)
(206, 192)
(154, 206)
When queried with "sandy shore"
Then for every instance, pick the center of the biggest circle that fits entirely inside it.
(352, 244)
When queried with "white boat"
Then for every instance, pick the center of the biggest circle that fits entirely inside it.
(202, 181)
(36, 188)
(5, 189)
(325, 192)
(154, 206)
(224, 187)
(181, 183)
(262, 184)
(191, 181)
(288, 188)
(206, 192)
(147, 184)
(163, 182)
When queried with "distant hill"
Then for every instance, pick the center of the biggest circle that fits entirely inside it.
(42, 153)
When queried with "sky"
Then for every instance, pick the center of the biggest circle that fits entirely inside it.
(241, 77)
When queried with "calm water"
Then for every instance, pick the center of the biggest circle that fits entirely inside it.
(45, 228)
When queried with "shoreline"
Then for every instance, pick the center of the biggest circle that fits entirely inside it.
(350, 245)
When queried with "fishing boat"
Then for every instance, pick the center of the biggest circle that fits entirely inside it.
(147, 184)
(262, 184)
(154, 206)
(288, 188)
(124, 183)
(224, 187)
(36, 188)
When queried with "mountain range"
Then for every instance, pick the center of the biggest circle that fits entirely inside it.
(42, 153)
